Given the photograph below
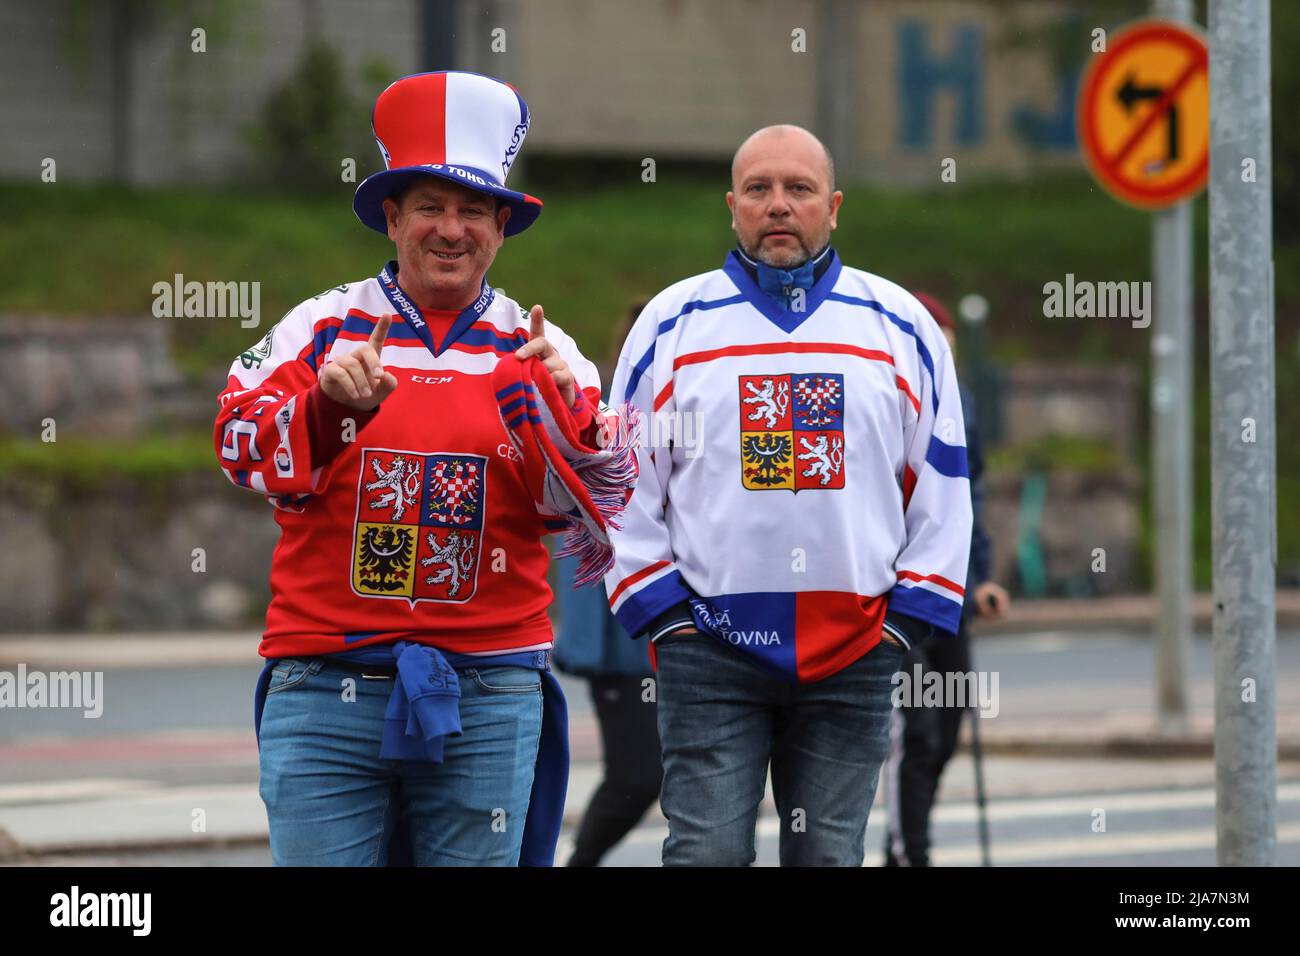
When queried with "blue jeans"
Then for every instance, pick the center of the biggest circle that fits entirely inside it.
(722, 720)
(331, 801)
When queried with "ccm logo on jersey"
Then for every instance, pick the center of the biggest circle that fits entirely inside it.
(426, 380)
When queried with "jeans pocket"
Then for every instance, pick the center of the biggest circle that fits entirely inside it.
(506, 679)
(289, 673)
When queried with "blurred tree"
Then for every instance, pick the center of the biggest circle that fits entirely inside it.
(308, 122)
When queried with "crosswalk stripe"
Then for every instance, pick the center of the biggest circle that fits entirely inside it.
(1117, 802)
(67, 791)
(1088, 845)
(1096, 845)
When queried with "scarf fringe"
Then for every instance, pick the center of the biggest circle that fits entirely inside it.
(608, 479)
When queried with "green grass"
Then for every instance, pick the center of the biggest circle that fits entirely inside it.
(99, 250)
(86, 463)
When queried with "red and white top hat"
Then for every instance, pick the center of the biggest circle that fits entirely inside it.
(462, 127)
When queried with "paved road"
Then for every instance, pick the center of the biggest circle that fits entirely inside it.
(1145, 825)
(175, 739)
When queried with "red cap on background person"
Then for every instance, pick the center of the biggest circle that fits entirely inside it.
(936, 309)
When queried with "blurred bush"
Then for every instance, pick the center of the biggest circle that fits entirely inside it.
(313, 121)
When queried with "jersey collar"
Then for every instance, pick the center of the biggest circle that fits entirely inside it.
(413, 317)
(787, 320)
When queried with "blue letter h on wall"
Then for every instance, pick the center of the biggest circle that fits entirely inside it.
(920, 77)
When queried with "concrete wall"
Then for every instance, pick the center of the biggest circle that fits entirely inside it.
(120, 555)
(188, 113)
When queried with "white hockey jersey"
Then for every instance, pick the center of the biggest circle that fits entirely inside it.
(800, 470)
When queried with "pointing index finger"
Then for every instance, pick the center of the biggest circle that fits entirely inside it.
(537, 322)
(380, 333)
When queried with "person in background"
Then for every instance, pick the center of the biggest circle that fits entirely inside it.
(591, 644)
(922, 739)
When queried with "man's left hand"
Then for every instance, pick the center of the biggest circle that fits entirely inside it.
(545, 352)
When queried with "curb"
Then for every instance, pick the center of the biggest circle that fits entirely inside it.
(1120, 612)
(1129, 746)
(12, 852)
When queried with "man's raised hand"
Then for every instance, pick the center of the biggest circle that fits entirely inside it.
(546, 354)
(358, 379)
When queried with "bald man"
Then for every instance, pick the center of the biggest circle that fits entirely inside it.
(802, 517)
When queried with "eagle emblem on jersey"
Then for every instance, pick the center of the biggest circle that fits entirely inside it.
(792, 431)
(418, 525)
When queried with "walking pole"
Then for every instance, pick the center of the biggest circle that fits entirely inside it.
(980, 799)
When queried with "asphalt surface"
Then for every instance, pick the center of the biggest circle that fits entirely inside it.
(171, 738)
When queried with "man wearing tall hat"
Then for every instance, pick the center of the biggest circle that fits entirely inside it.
(418, 433)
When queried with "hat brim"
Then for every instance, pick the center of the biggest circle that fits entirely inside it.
(368, 203)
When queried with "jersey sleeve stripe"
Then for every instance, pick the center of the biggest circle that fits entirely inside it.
(638, 610)
(907, 390)
(948, 460)
(633, 578)
(938, 579)
(909, 484)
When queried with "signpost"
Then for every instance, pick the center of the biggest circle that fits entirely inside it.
(1144, 128)
(1144, 114)
(1144, 122)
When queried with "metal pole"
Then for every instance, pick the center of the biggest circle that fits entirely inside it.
(1243, 434)
(1172, 347)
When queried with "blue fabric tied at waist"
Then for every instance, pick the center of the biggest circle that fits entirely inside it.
(425, 704)
(424, 709)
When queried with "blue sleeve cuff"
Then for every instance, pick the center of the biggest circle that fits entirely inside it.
(641, 609)
(939, 612)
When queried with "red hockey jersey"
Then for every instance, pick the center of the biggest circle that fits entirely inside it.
(412, 522)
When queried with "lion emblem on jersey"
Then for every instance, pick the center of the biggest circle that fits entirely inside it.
(418, 525)
(792, 431)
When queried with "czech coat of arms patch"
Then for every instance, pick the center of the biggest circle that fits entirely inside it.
(792, 431)
(418, 526)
